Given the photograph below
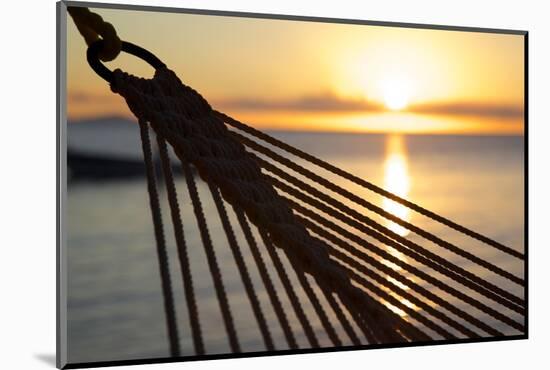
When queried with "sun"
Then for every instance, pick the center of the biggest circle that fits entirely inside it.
(396, 100)
(395, 93)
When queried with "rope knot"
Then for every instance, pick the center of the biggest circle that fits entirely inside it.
(91, 26)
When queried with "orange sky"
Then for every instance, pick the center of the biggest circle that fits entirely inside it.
(282, 74)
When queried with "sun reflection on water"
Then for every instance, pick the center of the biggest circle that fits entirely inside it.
(397, 181)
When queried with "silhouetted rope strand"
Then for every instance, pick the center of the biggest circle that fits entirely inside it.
(382, 281)
(480, 283)
(341, 191)
(171, 322)
(341, 316)
(186, 120)
(316, 305)
(342, 217)
(322, 232)
(398, 304)
(358, 298)
(264, 274)
(211, 257)
(318, 309)
(182, 247)
(314, 300)
(200, 137)
(402, 327)
(298, 309)
(91, 26)
(366, 329)
(327, 166)
(375, 330)
(388, 328)
(413, 270)
(365, 323)
(391, 286)
(466, 298)
(247, 282)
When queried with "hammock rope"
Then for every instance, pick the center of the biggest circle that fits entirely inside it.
(398, 262)
(154, 204)
(332, 259)
(433, 261)
(212, 260)
(337, 171)
(224, 157)
(246, 186)
(391, 273)
(289, 289)
(179, 236)
(232, 241)
(264, 274)
(374, 208)
(341, 317)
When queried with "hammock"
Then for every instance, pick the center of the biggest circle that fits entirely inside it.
(338, 253)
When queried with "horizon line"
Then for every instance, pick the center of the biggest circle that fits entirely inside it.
(129, 119)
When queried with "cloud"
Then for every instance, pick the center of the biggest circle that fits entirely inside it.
(315, 103)
(84, 97)
(329, 102)
(332, 103)
(470, 109)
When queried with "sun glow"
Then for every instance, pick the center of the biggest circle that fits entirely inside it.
(395, 93)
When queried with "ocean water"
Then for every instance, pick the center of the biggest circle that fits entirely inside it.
(115, 306)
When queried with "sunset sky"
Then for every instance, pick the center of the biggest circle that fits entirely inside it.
(280, 74)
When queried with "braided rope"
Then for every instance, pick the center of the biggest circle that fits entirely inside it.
(327, 166)
(483, 286)
(315, 247)
(390, 258)
(185, 119)
(391, 273)
(298, 309)
(398, 277)
(319, 309)
(398, 303)
(341, 317)
(367, 327)
(166, 284)
(388, 329)
(200, 137)
(388, 271)
(91, 26)
(391, 286)
(181, 247)
(249, 287)
(343, 192)
(211, 258)
(411, 253)
(264, 274)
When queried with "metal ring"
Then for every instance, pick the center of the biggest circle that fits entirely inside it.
(93, 58)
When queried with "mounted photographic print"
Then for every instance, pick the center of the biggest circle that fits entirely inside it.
(235, 184)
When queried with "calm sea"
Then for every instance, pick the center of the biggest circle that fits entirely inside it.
(115, 306)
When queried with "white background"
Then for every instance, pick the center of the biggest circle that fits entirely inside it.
(27, 180)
